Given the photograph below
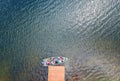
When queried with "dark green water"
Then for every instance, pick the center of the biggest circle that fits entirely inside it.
(85, 31)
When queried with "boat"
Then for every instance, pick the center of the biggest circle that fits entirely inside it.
(54, 61)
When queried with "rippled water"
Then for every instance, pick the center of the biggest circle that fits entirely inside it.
(85, 31)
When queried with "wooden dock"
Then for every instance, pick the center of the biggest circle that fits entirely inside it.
(56, 73)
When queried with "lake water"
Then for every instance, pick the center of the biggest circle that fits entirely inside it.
(85, 31)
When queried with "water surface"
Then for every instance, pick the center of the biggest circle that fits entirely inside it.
(85, 31)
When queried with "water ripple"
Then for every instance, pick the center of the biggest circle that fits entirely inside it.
(85, 31)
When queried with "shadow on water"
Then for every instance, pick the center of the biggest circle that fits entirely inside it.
(85, 31)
